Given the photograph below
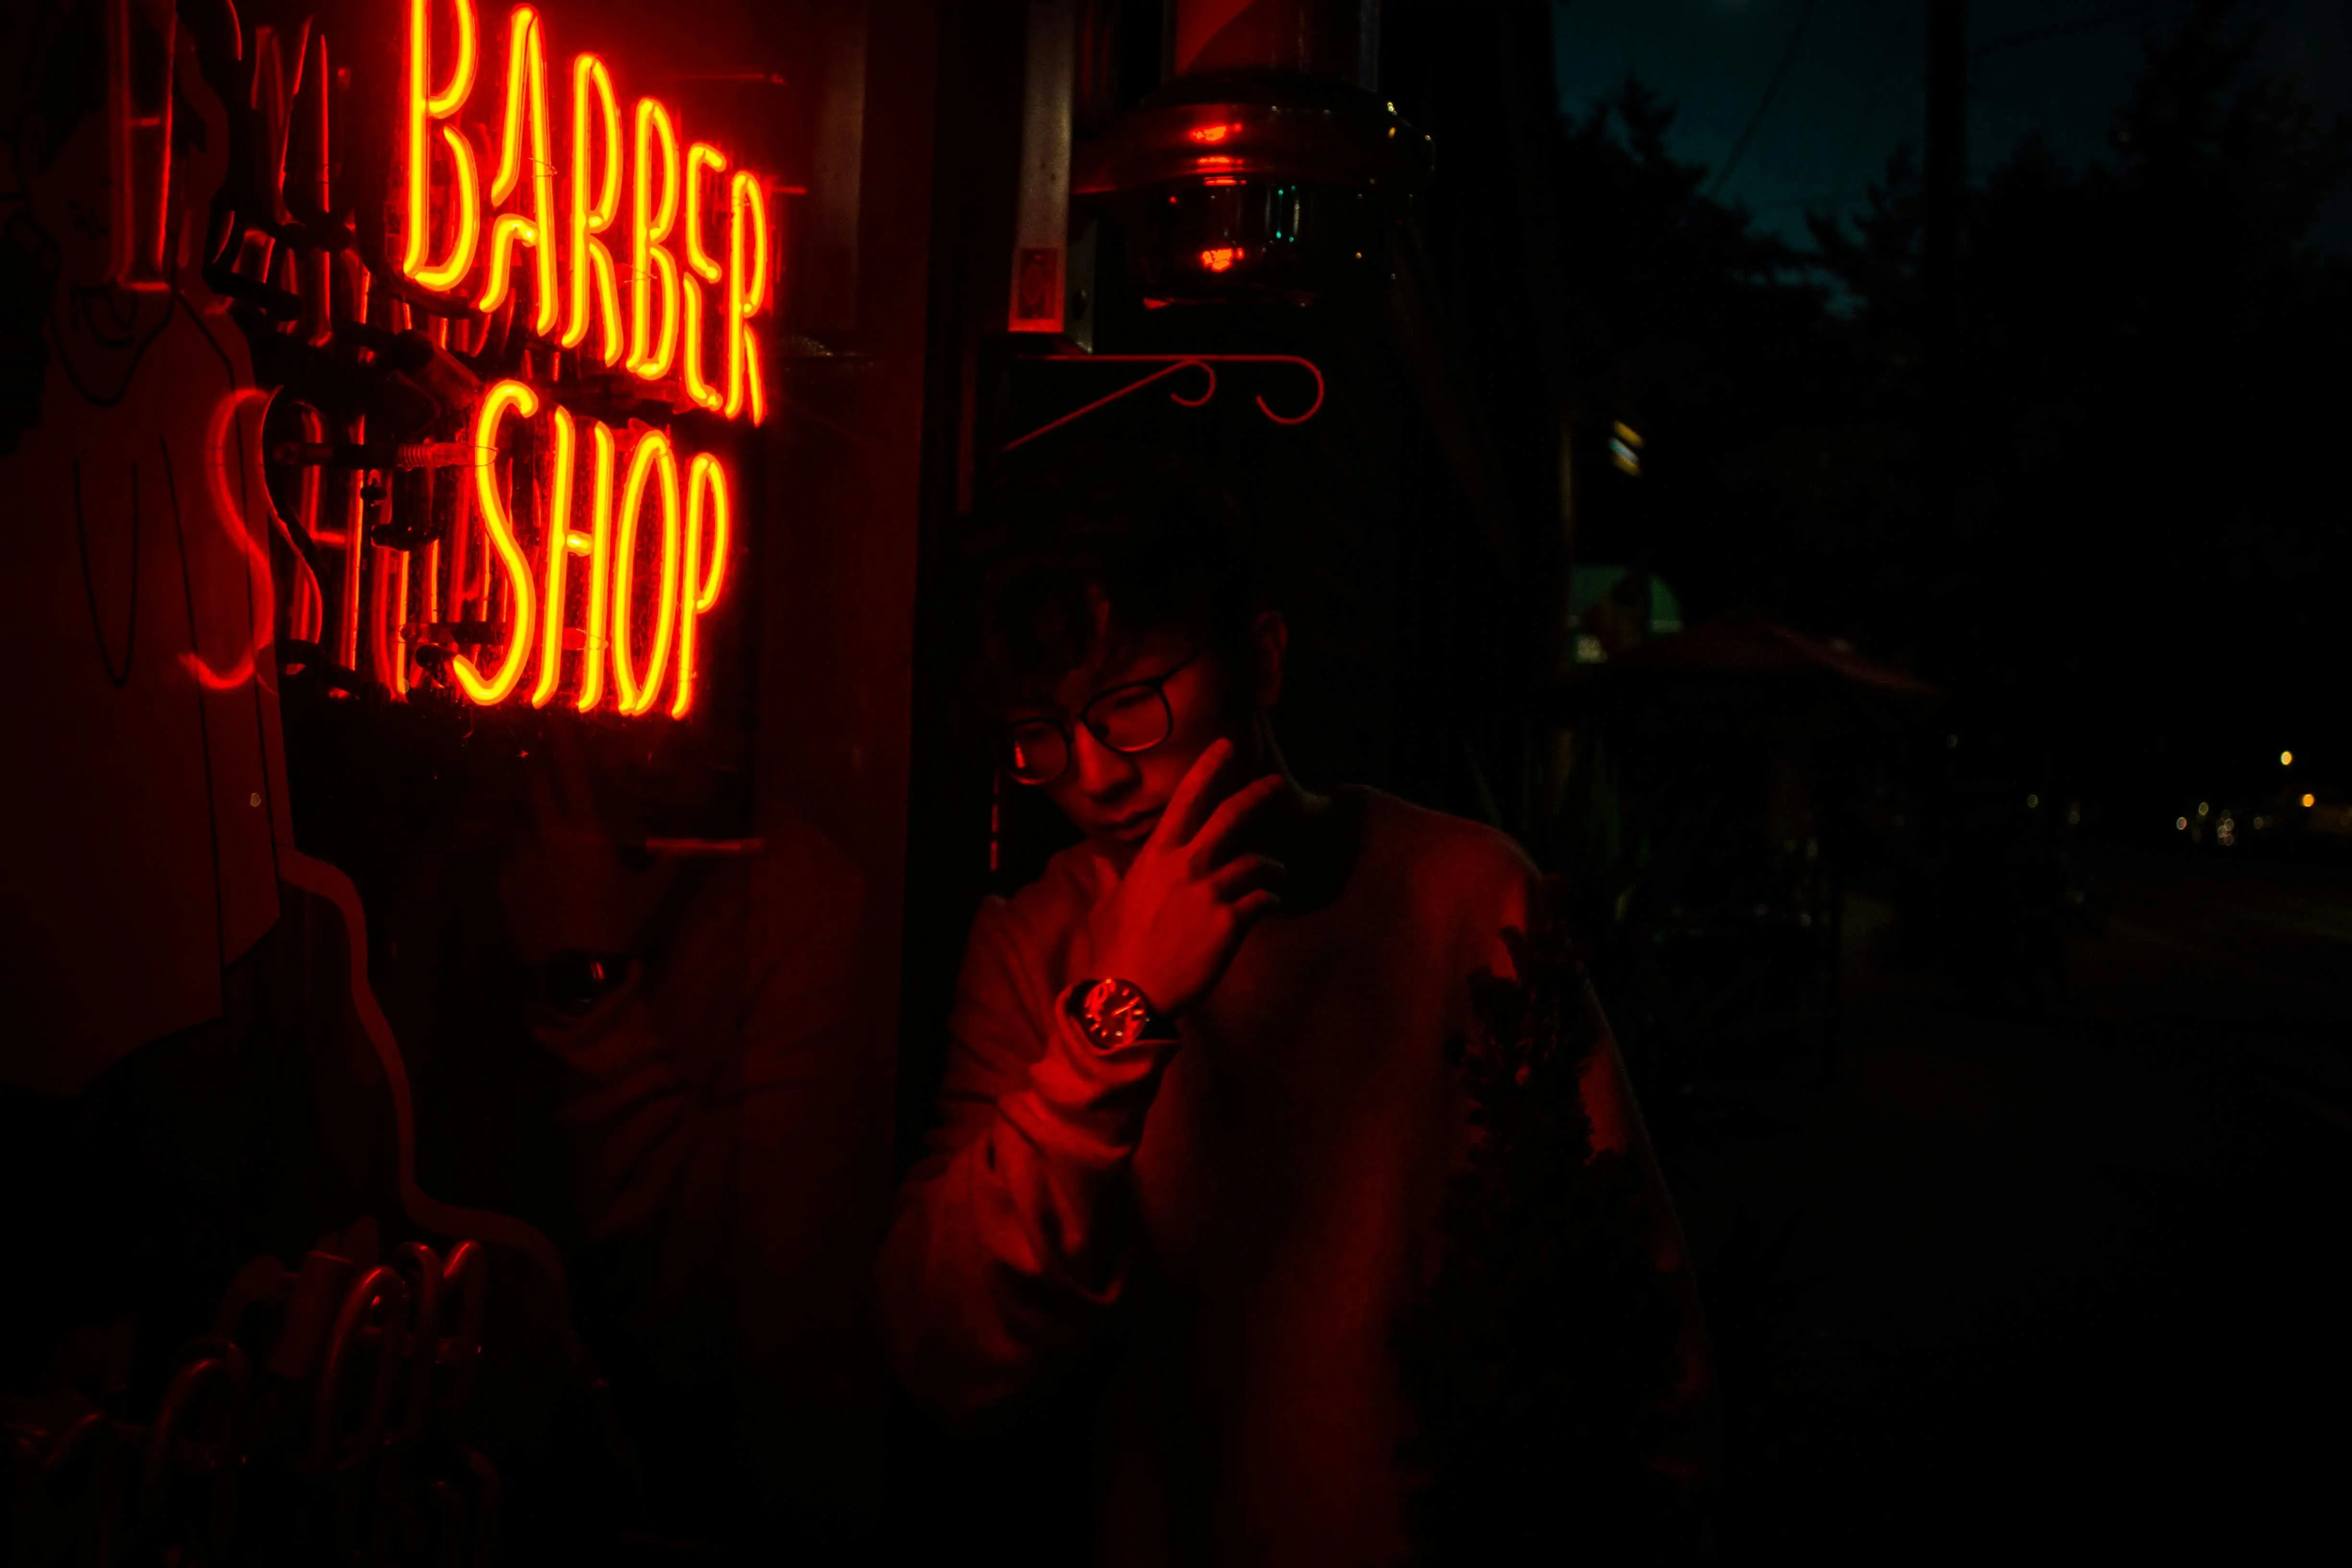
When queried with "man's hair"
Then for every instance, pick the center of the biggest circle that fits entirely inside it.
(1152, 536)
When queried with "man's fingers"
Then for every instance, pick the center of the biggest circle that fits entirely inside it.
(1250, 907)
(1238, 808)
(1178, 822)
(1247, 874)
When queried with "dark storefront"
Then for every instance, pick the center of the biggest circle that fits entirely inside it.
(516, 779)
(482, 464)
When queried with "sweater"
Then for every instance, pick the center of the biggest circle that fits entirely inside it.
(1257, 1200)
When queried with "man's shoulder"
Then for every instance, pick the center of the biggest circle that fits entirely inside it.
(1448, 858)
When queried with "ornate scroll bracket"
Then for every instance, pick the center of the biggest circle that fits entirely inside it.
(1173, 365)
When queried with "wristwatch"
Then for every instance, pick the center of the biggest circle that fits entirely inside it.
(1116, 1013)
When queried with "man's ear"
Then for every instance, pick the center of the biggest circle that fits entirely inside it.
(1270, 636)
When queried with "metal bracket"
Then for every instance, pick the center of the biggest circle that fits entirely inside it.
(1170, 365)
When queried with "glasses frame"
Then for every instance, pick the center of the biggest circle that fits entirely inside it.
(1156, 685)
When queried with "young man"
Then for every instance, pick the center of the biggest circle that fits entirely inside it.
(1198, 1077)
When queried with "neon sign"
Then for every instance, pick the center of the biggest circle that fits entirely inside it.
(665, 328)
(547, 248)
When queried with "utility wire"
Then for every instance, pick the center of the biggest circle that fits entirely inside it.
(1764, 104)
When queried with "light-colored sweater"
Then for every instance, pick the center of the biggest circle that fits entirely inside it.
(1259, 1199)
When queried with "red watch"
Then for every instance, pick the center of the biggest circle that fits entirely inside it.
(1116, 1013)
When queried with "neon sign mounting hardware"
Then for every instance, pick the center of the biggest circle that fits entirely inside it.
(559, 310)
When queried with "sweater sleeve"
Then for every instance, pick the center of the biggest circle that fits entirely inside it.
(1685, 1436)
(1011, 1235)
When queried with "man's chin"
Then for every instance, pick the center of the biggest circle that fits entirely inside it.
(1122, 838)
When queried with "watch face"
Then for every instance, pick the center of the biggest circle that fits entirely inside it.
(1113, 1013)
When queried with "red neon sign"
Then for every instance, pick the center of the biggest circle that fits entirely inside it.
(569, 561)
(429, 105)
(652, 254)
(499, 526)
(661, 329)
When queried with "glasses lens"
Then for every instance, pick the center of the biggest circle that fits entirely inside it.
(1034, 752)
(1131, 718)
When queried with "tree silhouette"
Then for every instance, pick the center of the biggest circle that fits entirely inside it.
(2145, 552)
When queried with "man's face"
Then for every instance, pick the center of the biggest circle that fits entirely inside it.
(1115, 797)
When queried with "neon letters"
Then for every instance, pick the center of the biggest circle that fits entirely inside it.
(464, 237)
(656, 561)
(583, 559)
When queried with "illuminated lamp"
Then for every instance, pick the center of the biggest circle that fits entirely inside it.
(651, 220)
(653, 457)
(525, 143)
(701, 268)
(708, 524)
(591, 281)
(1297, 181)
(426, 105)
(746, 294)
(499, 529)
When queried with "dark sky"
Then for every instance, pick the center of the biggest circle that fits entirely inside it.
(1853, 87)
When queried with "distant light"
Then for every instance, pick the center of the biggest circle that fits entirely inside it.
(1627, 461)
(2286, 758)
(1951, 742)
(1627, 433)
(1212, 132)
(2261, 823)
(2308, 800)
(2203, 809)
(2181, 823)
(1220, 259)
(2032, 803)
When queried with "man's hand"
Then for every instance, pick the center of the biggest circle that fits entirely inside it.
(1178, 917)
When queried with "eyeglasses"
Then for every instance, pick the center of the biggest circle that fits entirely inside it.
(1129, 718)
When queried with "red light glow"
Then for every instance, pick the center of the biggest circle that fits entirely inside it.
(674, 184)
(225, 448)
(605, 454)
(592, 261)
(425, 105)
(1213, 133)
(559, 542)
(653, 457)
(475, 185)
(707, 525)
(701, 268)
(1221, 259)
(651, 218)
(526, 143)
(499, 527)
(746, 294)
